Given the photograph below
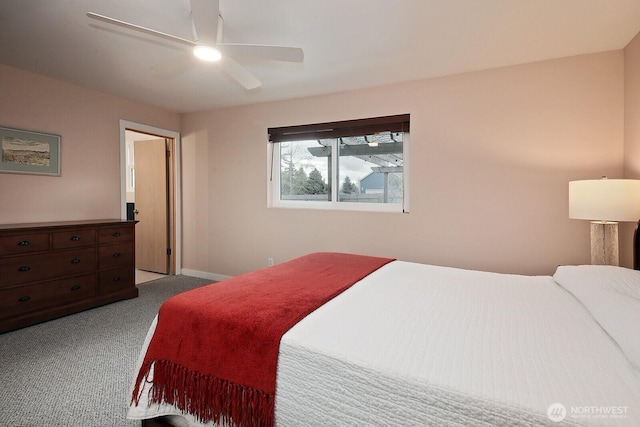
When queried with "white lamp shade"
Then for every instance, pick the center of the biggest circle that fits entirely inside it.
(605, 199)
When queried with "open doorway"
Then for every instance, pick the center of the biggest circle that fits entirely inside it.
(150, 195)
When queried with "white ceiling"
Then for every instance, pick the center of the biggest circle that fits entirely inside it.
(348, 44)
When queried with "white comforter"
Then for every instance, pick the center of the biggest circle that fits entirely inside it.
(414, 344)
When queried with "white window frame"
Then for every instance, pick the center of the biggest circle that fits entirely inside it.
(273, 185)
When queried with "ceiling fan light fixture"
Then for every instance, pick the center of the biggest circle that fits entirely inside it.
(207, 53)
(207, 26)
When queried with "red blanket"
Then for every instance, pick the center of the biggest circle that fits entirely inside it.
(215, 349)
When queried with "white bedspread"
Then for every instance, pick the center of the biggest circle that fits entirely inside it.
(612, 296)
(416, 345)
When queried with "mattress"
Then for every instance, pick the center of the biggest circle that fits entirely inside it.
(414, 344)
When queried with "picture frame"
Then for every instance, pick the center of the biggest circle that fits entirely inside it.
(28, 152)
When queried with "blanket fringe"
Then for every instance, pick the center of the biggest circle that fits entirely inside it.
(205, 397)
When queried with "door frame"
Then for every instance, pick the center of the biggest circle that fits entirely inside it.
(176, 230)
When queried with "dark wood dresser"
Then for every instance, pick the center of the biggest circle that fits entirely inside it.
(52, 269)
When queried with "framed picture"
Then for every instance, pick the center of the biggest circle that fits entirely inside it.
(29, 152)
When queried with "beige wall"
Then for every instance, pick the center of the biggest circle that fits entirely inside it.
(631, 129)
(88, 123)
(632, 109)
(492, 153)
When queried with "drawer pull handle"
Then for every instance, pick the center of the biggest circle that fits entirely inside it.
(116, 278)
(75, 261)
(75, 238)
(116, 234)
(116, 254)
(24, 298)
(24, 268)
(24, 243)
(75, 287)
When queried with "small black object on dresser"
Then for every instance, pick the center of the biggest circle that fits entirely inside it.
(52, 269)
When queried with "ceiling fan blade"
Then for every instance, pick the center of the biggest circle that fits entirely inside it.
(205, 20)
(262, 52)
(138, 28)
(240, 74)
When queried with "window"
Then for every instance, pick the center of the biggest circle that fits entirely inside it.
(353, 165)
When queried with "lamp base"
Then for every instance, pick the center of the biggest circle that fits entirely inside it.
(604, 243)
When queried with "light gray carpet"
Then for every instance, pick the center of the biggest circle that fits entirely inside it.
(77, 370)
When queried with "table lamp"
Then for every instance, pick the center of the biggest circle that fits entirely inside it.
(605, 202)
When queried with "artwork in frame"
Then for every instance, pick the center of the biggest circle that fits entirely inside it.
(29, 152)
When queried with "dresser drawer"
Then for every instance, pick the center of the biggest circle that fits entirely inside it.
(24, 243)
(117, 279)
(25, 299)
(115, 235)
(116, 255)
(51, 269)
(73, 239)
(32, 268)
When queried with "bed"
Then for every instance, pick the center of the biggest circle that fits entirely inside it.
(415, 344)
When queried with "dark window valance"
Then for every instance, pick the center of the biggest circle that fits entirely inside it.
(360, 127)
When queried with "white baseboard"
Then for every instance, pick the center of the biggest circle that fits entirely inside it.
(204, 275)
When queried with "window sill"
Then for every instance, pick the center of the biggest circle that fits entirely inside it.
(340, 206)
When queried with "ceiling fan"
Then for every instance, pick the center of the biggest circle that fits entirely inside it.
(208, 44)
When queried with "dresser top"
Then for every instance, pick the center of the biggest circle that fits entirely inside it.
(88, 222)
